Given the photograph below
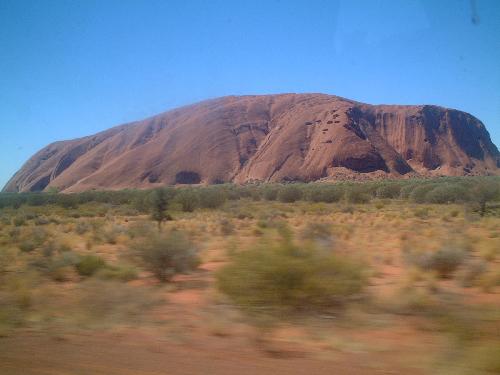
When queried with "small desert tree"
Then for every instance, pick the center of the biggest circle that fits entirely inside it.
(159, 205)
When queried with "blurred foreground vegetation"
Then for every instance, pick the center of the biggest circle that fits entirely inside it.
(359, 255)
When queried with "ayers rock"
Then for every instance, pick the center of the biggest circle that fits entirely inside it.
(288, 137)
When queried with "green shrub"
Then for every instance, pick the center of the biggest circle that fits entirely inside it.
(141, 229)
(251, 191)
(88, 265)
(388, 191)
(263, 223)
(406, 190)
(270, 192)
(211, 197)
(188, 200)
(110, 235)
(289, 193)
(282, 276)
(27, 246)
(120, 272)
(356, 194)
(327, 193)
(167, 254)
(82, 227)
(484, 191)
(38, 235)
(68, 201)
(443, 261)
(19, 220)
(14, 234)
(446, 193)
(446, 260)
(61, 267)
(419, 193)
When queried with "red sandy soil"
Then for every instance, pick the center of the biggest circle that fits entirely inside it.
(197, 350)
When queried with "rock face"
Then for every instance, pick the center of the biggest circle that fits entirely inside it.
(288, 137)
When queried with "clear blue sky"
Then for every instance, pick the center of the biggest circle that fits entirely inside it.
(72, 68)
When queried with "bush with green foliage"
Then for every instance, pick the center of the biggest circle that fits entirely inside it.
(407, 189)
(484, 191)
(279, 275)
(108, 234)
(270, 192)
(389, 191)
(211, 197)
(82, 227)
(68, 200)
(419, 193)
(446, 260)
(327, 193)
(27, 246)
(252, 191)
(188, 200)
(356, 194)
(119, 272)
(290, 193)
(443, 261)
(159, 200)
(477, 190)
(140, 229)
(446, 193)
(19, 220)
(88, 265)
(167, 254)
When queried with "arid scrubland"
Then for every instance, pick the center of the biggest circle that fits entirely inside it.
(398, 274)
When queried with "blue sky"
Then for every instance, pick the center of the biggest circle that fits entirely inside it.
(72, 68)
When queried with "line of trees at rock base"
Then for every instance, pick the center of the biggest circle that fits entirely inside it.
(476, 192)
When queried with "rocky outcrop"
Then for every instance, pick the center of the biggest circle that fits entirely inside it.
(288, 137)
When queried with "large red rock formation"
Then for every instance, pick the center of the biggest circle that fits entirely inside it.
(285, 137)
